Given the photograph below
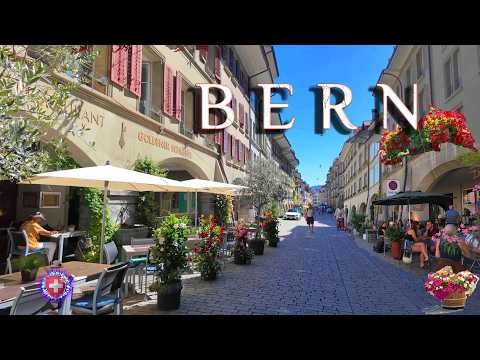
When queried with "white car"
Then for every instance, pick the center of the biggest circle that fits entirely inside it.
(292, 214)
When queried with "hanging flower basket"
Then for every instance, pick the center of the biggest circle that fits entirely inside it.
(434, 129)
(439, 126)
(394, 146)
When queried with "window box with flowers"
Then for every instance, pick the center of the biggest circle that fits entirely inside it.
(207, 252)
(169, 256)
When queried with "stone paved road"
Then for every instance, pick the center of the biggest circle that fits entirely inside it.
(324, 273)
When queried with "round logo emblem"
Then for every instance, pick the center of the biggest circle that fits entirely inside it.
(56, 284)
(393, 185)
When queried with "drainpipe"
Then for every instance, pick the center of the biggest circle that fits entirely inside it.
(430, 67)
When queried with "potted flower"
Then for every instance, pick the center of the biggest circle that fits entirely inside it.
(257, 244)
(450, 288)
(448, 246)
(206, 253)
(270, 226)
(29, 265)
(170, 256)
(241, 253)
(395, 235)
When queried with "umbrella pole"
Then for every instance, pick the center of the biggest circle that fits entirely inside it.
(196, 208)
(409, 213)
(104, 215)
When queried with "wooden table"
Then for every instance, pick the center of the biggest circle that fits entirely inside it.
(81, 272)
(61, 239)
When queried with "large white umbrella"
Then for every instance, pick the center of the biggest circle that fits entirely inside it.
(211, 187)
(108, 177)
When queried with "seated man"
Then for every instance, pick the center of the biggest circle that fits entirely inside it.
(34, 230)
(427, 234)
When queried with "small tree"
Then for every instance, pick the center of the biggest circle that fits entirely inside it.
(33, 98)
(148, 208)
(265, 183)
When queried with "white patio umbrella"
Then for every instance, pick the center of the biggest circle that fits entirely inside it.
(214, 187)
(108, 177)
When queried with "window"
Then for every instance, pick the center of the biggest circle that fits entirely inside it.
(30, 200)
(408, 78)
(151, 93)
(421, 103)
(188, 110)
(419, 61)
(50, 200)
(96, 73)
(210, 64)
(451, 74)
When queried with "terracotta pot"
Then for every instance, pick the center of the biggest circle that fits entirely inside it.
(396, 250)
(455, 300)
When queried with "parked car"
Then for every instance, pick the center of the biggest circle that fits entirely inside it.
(330, 211)
(293, 213)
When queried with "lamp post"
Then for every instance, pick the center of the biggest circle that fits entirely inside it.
(375, 116)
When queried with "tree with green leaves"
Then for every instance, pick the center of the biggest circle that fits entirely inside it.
(148, 208)
(265, 182)
(36, 86)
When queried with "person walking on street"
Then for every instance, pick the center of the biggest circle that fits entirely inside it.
(309, 217)
(345, 218)
(337, 217)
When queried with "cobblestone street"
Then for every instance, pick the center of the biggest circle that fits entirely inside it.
(325, 273)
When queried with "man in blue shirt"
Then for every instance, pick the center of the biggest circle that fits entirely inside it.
(452, 216)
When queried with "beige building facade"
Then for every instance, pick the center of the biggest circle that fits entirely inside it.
(448, 77)
(140, 101)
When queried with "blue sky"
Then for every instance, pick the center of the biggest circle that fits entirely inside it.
(357, 66)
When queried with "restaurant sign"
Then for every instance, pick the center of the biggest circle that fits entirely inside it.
(163, 144)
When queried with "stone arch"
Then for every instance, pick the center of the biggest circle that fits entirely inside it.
(353, 210)
(181, 164)
(363, 208)
(435, 175)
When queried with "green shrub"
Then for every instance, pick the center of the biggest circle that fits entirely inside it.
(358, 222)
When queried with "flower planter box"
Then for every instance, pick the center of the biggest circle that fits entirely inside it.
(455, 300)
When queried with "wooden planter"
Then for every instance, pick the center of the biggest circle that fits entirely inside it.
(455, 300)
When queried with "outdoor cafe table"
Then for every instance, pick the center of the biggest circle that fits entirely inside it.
(82, 272)
(61, 239)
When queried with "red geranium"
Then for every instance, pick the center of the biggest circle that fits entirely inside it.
(439, 126)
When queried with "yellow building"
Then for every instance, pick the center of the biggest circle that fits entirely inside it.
(139, 101)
